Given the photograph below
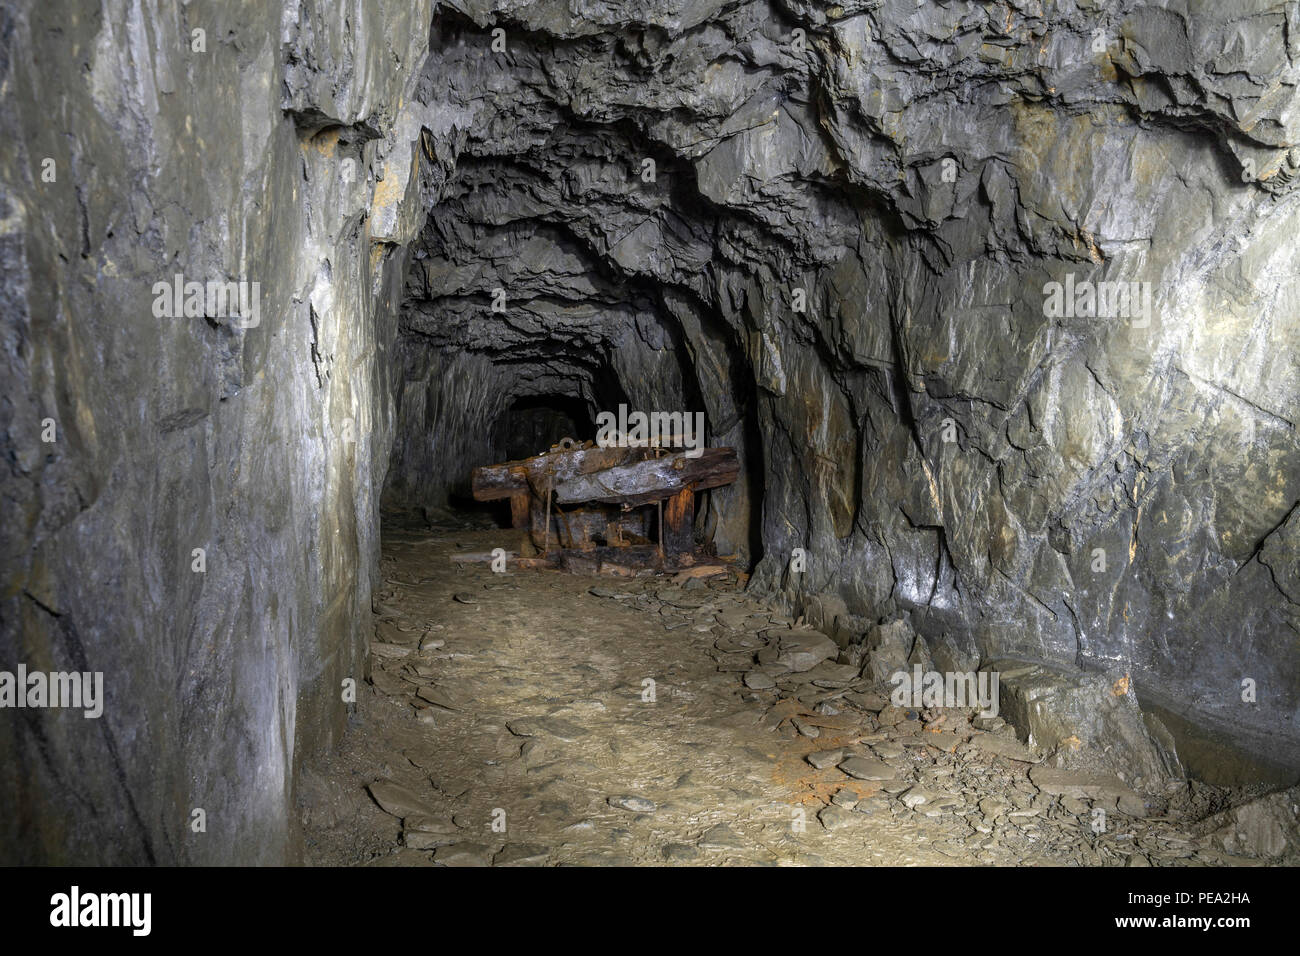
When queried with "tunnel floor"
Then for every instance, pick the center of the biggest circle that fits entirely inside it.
(508, 719)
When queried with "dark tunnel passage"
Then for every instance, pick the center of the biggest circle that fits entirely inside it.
(531, 426)
(719, 433)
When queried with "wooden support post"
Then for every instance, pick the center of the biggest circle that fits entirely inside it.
(546, 548)
(679, 522)
(539, 521)
(520, 503)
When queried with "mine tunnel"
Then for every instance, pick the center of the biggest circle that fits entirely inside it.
(666, 434)
(532, 425)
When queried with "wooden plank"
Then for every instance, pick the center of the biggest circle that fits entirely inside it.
(491, 482)
(542, 519)
(550, 471)
(651, 480)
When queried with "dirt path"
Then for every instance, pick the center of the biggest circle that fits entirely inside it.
(511, 720)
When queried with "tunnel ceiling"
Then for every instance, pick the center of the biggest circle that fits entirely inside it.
(842, 254)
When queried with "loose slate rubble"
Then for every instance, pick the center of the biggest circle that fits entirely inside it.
(633, 803)
(875, 771)
(803, 650)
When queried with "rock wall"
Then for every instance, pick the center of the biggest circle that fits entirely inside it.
(845, 233)
(136, 149)
(846, 224)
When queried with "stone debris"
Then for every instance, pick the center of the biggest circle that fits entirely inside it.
(463, 854)
(1079, 715)
(720, 837)
(864, 768)
(397, 800)
(1267, 827)
(389, 651)
(556, 727)
(1001, 746)
(521, 854)
(680, 853)
(804, 650)
(825, 758)
(889, 649)
(804, 727)
(440, 698)
(968, 782)
(1073, 783)
(836, 818)
(633, 804)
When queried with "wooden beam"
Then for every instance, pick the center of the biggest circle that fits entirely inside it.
(654, 479)
(491, 482)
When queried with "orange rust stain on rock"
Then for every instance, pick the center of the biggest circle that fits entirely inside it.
(810, 785)
(388, 191)
(326, 141)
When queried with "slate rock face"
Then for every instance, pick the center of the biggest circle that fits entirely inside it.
(892, 648)
(845, 251)
(265, 445)
(1266, 827)
(833, 229)
(1077, 716)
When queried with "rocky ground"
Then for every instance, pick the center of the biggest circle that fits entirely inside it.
(544, 718)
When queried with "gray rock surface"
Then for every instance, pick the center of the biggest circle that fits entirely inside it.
(1267, 827)
(842, 257)
(1078, 716)
(894, 647)
(256, 159)
(804, 650)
